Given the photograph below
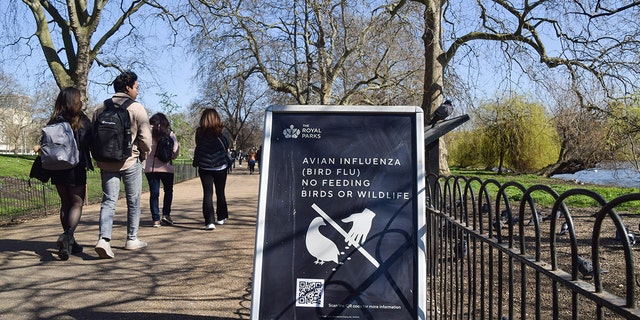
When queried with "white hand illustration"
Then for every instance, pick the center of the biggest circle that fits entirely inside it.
(360, 228)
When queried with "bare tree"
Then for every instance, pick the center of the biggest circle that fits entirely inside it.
(587, 39)
(15, 121)
(313, 51)
(15, 115)
(7, 84)
(22, 116)
(583, 137)
(238, 96)
(75, 34)
(592, 42)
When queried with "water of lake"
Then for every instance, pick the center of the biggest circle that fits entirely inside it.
(624, 176)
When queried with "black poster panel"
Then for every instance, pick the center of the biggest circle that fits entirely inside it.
(339, 216)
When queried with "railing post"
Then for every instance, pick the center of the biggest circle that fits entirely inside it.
(44, 196)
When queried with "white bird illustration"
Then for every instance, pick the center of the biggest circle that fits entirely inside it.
(320, 246)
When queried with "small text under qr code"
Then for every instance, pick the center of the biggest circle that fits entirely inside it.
(310, 293)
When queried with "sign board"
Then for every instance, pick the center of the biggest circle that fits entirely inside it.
(340, 229)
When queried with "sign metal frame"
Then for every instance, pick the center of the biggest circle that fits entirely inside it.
(317, 123)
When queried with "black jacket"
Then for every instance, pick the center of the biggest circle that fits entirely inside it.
(211, 151)
(83, 138)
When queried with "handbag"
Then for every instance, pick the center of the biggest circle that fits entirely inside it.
(226, 153)
(38, 172)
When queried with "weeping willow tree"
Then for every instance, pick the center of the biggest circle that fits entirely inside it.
(514, 134)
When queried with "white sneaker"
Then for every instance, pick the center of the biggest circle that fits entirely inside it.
(103, 249)
(134, 244)
(210, 226)
(221, 221)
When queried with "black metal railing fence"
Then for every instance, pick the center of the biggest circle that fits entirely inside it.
(22, 198)
(490, 259)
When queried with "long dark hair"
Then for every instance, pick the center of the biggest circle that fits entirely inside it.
(68, 106)
(210, 123)
(161, 126)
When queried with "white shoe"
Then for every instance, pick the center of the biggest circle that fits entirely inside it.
(134, 244)
(103, 249)
(210, 226)
(221, 221)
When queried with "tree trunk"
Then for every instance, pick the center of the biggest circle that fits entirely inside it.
(434, 72)
(84, 60)
(501, 160)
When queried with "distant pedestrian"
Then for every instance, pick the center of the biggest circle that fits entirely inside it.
(128, 170)
(71, 184)
(158, 171)
(251, 161)
(259, 157)
(234, 155)
(210, 156)
(231, 165)
(240, 156)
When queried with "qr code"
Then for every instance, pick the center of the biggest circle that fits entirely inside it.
(310, 293)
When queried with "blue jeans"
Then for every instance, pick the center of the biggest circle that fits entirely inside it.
(132, 180)
(154, 179)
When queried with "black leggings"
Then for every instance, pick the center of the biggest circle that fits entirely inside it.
(209, 179)
(72, 199)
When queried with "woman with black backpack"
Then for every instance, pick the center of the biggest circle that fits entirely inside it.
(159, 169)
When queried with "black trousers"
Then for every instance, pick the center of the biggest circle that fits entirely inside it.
(209, 180)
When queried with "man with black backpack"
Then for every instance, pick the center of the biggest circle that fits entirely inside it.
(121, 141)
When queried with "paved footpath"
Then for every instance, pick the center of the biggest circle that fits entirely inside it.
(184, 273)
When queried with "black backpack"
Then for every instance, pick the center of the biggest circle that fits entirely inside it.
(112, 133)
(164, 149)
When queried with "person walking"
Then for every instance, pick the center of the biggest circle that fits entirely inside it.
(71, 184)
(233, 155)
(240, 156)
(158, 171)
(128, 170)
(259, 157)
(211, 159)
(251, 161)
(230, 164)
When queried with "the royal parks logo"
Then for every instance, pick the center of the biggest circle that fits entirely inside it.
(291, 133)
(306, 132)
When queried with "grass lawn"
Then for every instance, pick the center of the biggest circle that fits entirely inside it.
(558, 185)
(19, 167)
